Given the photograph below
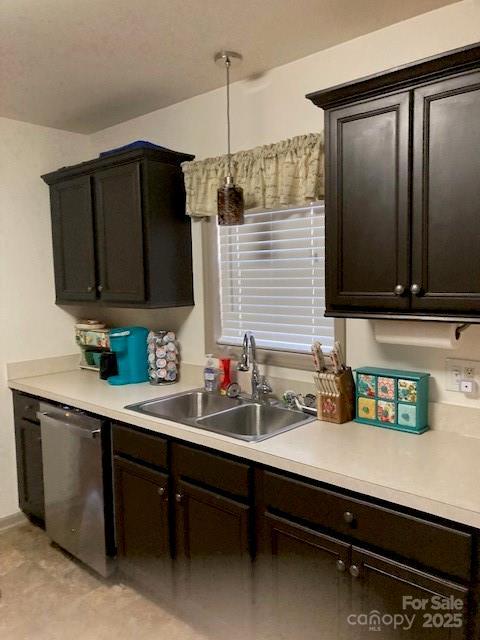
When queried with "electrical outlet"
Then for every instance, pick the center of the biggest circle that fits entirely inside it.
(458, 370)
(467, 386)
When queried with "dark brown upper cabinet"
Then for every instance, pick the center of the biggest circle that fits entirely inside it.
(446, 196)
(119, 208)
(73, 239)
(402, 191)
(120, 233)
(368, 190)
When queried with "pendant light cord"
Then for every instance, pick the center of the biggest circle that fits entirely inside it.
(227, 65)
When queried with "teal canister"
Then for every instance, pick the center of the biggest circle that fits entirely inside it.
(129, 344)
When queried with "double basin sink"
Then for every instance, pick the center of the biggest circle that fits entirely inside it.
(236, 417)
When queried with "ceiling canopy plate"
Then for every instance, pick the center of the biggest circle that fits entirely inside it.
(222, 56)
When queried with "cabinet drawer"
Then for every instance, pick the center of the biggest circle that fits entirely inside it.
(25, 407)
(212, 470)
(146, 447)
(433, 545)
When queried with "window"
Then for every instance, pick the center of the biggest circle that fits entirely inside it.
(270, 275)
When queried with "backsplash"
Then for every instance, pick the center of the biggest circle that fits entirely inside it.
(363, 349)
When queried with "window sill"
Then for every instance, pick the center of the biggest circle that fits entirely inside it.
(284, 359)
(302, 361)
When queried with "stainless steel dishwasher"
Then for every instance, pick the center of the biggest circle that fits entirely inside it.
(74, 484)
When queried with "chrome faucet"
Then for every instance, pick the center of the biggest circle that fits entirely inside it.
(260, 386)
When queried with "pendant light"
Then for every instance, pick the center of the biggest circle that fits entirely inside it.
(230, 207)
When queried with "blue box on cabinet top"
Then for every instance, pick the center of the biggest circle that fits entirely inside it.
(392, 399)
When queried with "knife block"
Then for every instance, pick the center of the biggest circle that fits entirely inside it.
(338, 407)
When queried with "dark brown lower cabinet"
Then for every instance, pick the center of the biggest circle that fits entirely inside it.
(400, 602)
(28, 444)
(142, 523)
(302, 582)
(259, 555)
(213, 552)
(313, 585)
(30, 469)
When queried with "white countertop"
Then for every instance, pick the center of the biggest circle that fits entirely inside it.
(437, 472)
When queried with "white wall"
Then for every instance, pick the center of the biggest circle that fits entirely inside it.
(31, 326)
(272, 107)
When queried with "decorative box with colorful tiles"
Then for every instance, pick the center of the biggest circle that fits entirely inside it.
(392, 399)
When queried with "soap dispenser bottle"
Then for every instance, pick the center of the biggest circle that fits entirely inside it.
(210, 374)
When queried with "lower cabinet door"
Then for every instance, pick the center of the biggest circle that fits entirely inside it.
(28, 440)
(213, 554)
(396, 601)
(142, 524)
(302, 582)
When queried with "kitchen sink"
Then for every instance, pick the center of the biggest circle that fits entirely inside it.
(186, 406)
(254, 421)
(236, 417)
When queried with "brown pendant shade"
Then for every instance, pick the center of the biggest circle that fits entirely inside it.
(230, 206)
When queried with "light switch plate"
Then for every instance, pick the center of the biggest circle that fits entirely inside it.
(458, 370)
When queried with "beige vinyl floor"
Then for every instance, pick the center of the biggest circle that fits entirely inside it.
(45, 595)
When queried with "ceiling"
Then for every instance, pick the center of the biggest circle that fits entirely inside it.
(83, 65)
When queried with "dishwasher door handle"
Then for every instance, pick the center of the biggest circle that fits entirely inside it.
(73, 428)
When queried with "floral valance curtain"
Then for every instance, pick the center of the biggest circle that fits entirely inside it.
(287, 173)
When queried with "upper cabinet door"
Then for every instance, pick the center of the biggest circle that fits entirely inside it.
(446, 196)
(367, 206)
(118, 206)
(73, 240)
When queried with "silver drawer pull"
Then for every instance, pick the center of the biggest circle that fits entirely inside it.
(354, 571)
(341, 566)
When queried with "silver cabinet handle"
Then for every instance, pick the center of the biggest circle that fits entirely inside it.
(96, 432)
(348, 517)
(354, 571)
(178, 497)
(341, 566)
(161, 491)
(415, 289)
(100, 288)
(90, 289)
(399, 290)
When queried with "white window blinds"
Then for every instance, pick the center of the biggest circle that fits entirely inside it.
(272, 279)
